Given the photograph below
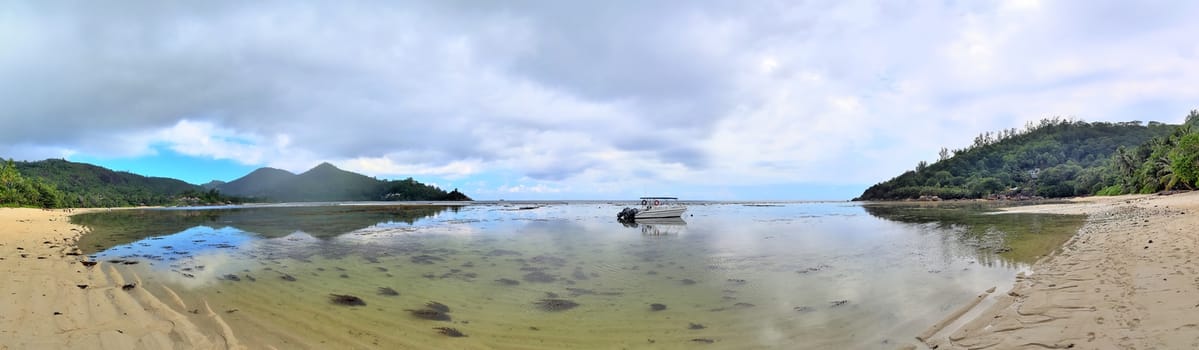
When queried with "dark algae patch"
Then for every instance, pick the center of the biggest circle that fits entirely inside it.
(555, 305)
(657, 307)
(388, 292)
(346, 300)
(450, 332)
(433, 311)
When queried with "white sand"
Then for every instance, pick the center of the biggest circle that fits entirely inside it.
(1129, 279)
(42, 307)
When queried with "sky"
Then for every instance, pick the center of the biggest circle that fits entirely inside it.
(720, 100)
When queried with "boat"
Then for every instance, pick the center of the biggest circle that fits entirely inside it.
(653, 208)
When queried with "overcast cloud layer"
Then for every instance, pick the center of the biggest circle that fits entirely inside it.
(579, 100)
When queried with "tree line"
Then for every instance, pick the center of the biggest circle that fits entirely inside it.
(1057, 157)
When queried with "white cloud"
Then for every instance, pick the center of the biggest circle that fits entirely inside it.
(584, 98)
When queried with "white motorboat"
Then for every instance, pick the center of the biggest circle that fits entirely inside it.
(654, 208)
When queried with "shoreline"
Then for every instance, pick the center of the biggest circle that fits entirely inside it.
(52, 301)
(1125, 280)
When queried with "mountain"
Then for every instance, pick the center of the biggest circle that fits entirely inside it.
(55, 183)
(86, 185)
(1053, 158)
(257, 184)
(326, 182)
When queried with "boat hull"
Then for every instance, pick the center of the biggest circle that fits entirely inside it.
(661, 212)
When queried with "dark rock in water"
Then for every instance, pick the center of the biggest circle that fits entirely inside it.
(449, 332)
(231, 277)
(538, 276)
(88, 263)
(344, 276)
(346, 299)
(251, 278)
(696, 326)
(81, 286)
(433, 305)
(555, 305)
(687, 281)
(548, 259)
(130, 262)
(381, 269)
(128, 286)
(837, 303)
(428, 314)
(803, 309)
(287, 277)
(372, 259)
(503, 252)
(703, 340)
(387, 291)
(425, 259)
(657, 307)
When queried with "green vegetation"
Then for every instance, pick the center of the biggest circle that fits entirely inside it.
(70, 184)
(18, 191)
(56, 183)
(1057, 158)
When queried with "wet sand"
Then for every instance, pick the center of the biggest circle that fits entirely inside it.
(1128, 279)
(50, 300)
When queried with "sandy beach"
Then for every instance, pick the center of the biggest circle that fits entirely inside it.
(52, 301)
(1127, 280)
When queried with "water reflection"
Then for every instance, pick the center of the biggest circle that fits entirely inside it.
(792, 275)
(1008, 238)
(662, 227)
(119, 227)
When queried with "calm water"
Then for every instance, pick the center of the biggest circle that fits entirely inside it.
(792, 275)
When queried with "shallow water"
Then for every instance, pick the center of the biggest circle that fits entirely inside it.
(790, 275)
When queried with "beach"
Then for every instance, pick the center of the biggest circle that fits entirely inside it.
(52, 301)
(1127, 280)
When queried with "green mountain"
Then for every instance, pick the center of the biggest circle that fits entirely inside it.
(86, 185)
(326, 182)
(1053, 158)
(259, 183)
(55, 183)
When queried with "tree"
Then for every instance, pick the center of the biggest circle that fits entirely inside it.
(1184, 159)
(943, 155)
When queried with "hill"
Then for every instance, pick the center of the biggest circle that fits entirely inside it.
(257, 184)
(326, 182)
(55, 183)
(86, 185)
(1053, 158)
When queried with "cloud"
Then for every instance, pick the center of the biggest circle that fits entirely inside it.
(598, 98)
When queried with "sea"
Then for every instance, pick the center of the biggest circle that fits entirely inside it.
(569, 275)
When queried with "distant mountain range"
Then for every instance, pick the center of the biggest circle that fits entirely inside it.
(87, 185)
(326, 182)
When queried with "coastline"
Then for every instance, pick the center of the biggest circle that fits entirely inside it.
(1125, 280)
(51, 301)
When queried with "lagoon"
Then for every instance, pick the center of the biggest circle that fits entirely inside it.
(567, 275)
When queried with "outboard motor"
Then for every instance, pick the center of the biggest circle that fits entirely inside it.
(627, 215)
